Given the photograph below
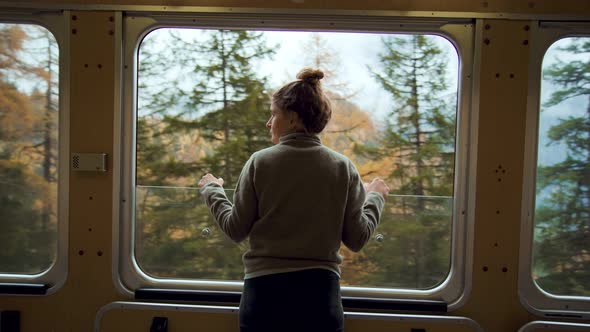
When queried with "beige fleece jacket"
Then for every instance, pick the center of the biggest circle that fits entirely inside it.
(296, 202)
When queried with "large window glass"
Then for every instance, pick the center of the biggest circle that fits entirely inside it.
(203, 101)
(28, 148)
(561, 249)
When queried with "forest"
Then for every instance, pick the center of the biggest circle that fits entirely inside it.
(202, 107)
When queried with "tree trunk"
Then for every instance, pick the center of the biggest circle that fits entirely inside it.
(46, 214)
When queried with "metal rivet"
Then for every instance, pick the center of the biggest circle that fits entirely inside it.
(485, 269)
(81, 252)
(74, 31)
(206, 231)
(486, 41)
(379, 237)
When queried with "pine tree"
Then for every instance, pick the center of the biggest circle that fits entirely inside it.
(227, 102)
(419, 134)
(562, 219)
(201, 109)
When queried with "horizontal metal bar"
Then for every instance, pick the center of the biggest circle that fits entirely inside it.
(23, 289)
(196, 188)
(394, 304)
(393, 13)
(186, 295)
(158, 294)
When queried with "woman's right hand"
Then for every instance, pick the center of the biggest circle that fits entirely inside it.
(208, 178)
(377, 185)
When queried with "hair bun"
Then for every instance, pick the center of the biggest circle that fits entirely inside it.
(310, 75)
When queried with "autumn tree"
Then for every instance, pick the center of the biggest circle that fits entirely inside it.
(562, 218)
(43, 69)
(320, 55)
(28, 193)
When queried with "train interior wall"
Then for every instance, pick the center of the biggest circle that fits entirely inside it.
(502, 81)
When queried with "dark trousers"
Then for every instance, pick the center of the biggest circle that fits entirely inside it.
(307, 300)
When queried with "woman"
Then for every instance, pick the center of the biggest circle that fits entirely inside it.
(296, 202)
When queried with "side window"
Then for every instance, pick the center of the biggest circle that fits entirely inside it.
(29, 108)
(202, 104)
(554, 270)
(561, 246)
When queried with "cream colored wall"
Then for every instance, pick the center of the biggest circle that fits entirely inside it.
(493, 301)
(502, 107)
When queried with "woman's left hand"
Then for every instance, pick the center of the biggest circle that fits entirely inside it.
(208, 178)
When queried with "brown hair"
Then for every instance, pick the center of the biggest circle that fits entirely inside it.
(306, 98)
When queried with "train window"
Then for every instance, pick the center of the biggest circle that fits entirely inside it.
(30, 172)
(561, 250)
(555, 251)
(202, 101)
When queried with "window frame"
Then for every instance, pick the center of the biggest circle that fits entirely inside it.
(52, 279)
(532, 297)
(461, 33)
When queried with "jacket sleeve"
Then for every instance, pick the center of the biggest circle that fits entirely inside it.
(362, 213)
(235, 220)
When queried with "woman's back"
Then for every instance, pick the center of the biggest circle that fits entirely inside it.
(302, 190)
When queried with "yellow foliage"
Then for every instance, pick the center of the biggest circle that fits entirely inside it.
(15, 113)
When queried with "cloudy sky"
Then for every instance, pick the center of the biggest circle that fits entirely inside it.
(354, 52)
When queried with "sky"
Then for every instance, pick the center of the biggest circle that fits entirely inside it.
(355, 53)
(549, 154)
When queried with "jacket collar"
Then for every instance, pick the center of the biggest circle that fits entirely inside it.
(300, 136)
